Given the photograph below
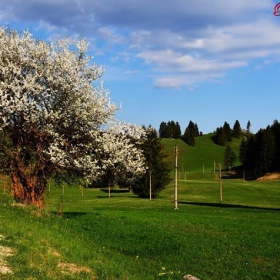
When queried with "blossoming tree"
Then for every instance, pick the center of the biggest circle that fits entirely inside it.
(54, 118)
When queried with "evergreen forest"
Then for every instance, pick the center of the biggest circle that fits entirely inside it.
(258, 153)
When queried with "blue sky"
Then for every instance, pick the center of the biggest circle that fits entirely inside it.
(200, 60)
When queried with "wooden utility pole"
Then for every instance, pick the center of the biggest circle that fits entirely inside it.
(220, 179)
(176, 180)
(150, 172)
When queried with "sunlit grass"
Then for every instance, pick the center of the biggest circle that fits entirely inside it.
(124, 237)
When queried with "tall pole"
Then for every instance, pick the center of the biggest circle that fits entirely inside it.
(220, 179)
(176, 180)
(109, 188)
(150, 171)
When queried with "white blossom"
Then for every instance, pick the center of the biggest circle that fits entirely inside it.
(50, 90)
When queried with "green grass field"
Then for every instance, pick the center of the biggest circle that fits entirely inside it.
(124, 237)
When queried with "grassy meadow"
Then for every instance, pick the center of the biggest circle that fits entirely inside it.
(124, 237)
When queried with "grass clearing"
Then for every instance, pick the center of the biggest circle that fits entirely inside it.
(124, 237)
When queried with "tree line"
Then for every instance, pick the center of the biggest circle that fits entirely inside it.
(172, 129)
(260, 152)
(223, 135)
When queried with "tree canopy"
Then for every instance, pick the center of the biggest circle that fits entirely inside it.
(260, 152)
(170, 129)
(190, 133)
(55, 118)
(229, 157)
(157, 166)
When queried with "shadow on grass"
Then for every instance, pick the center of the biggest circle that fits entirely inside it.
(227, 205)
(115, 191)
(69, 215)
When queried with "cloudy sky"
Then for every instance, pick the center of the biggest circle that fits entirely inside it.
(200, 60)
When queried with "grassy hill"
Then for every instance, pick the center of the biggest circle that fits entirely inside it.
(201, 157)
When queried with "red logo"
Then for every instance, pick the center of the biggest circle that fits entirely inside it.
(277, 10)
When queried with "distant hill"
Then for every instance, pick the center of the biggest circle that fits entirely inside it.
(201, 157)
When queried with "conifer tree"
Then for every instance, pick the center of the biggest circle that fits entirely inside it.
(229, 157)
(227, 131)
(157, 166)
(177, 131)
(248, 127)
(220, 137)
(191, 132)
(265, 150)
(236, 129)
(162, 130)
(276, 130)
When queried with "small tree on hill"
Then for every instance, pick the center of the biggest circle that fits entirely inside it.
(229, 157)
(220, 137)
(177, 131)
(162, 130)
(228, 131)
(54, 120)
(190, 133)
(237, 131)
(248, 127)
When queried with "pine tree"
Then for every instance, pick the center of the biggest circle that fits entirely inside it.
(276, 130)
(196, 130)
(156, 163)
(248, 127)
(229, 157)
(265, 150)
(236, 130)
(220, 137)
(227, 131)
(259, 151)
(243, 151)
(177, 131)
(190, 133)
(162, 130)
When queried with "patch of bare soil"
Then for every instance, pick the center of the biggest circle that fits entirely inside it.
(269, 177)
(69, 268)
(5, 252)
(72, 268)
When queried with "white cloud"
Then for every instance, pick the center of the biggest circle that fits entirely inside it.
(189, 80)
(183, 42)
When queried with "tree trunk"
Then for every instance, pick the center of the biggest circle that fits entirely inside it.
(29, 190)
(28, 183)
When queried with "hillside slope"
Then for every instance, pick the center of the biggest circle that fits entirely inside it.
(200, 158)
